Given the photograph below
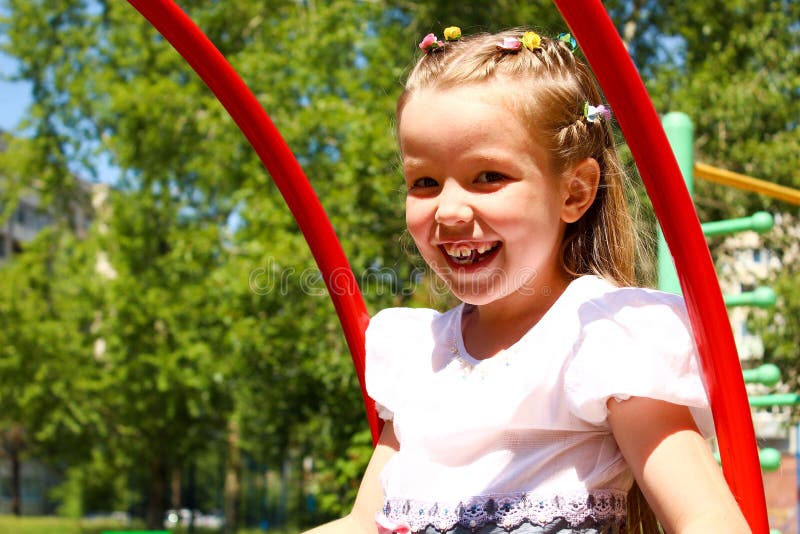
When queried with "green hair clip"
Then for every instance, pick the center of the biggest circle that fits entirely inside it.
(568, 39)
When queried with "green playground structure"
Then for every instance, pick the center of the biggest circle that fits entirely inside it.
(680, 132)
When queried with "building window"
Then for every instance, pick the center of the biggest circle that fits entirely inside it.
(22, 213)
(743, 331)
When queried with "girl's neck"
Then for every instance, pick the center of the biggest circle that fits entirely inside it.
(490, 328)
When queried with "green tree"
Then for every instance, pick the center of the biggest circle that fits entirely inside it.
(121, 88)
(732, 67)
(46, 365)
(161, 400)
(217, 337)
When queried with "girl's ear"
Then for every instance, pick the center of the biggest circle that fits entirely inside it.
(579, 187)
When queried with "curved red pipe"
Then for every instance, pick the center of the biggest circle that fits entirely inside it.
(606, 53)
(276, 156)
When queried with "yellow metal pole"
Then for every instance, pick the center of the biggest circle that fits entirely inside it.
(741, 181)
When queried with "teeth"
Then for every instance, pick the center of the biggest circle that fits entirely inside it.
(461, 250)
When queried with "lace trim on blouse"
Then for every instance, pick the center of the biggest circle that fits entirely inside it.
(509, 510)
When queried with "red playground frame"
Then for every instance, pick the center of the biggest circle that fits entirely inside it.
(625, 92)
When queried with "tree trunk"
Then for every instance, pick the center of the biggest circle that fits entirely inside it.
(191, 500)
(12, 442)
(154, 516)
(175, 489)
(233, 475)
(16, 482)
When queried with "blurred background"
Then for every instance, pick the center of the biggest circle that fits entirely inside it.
(169, 357)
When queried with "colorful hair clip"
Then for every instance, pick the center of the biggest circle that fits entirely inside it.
(452, 33)
(510, 44)
(430, 42)
(569, 40)
(531, 40)
(594, 114)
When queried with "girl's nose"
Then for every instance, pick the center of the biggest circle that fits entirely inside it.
(454, 206)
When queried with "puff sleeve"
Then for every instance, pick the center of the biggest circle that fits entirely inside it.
(392, 342)
(635, 343)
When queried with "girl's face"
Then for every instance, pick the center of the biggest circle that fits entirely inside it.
(483, 207)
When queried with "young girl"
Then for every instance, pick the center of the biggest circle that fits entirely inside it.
(538, 403)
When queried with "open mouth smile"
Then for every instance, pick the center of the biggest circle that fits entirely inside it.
(469, 253)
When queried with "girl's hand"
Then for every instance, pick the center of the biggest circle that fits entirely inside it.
(674, 467)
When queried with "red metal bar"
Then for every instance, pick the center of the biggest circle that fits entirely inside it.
(606, 53)
(639, 121)
(276, 156)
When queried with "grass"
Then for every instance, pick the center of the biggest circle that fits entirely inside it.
(42, 525)
(61, 525)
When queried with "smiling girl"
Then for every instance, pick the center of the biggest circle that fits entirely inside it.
(555, 390)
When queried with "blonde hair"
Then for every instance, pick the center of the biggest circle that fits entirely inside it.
(553, 85)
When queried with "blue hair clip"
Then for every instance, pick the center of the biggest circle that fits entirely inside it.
(568, 39)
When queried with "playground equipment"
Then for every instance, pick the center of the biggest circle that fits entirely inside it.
(761, 297)
(608, 57)
(760, 221)
(679, 130)
(740, 181)
(768, 374)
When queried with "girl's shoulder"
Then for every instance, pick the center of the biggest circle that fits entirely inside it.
(633, 342)
(391, 318)
(408, 326)
(400, 343)
(598, 299)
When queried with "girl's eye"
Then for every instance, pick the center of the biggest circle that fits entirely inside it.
(424, 182)
(489, 177)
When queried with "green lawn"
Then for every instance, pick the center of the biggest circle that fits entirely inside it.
(59, 525)
(42, 525)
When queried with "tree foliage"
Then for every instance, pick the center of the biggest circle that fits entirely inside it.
(189, 320)
(734, 71)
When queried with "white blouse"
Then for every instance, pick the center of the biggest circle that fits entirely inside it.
(523, 436)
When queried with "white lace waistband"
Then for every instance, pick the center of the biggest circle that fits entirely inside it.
(509, 510)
